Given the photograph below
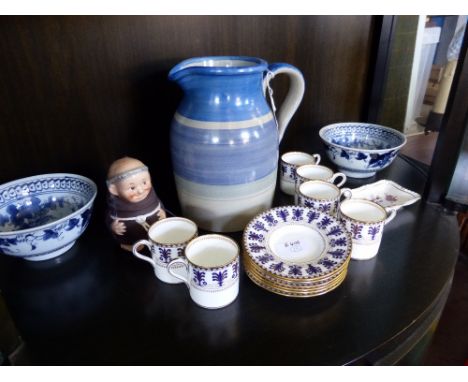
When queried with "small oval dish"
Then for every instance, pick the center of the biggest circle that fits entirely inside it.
(42, 216)
(361, 149)
(387, 193)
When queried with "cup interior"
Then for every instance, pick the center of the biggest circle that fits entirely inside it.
(172, 231)
(320, 190)
(363, 211)
(313, 172)
(297, 158)
(212, 251)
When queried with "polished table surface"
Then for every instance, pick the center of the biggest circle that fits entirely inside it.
(97, 304)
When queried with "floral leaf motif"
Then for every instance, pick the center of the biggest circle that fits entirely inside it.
(284, 169)
(278, 267)
(338, 242)
(327, 263)
(235, 270)
(337, 253)
(312, 270)
(308, 203)
(256, 248)
(283, 214)
(297, 214)
(324, 207)
(259, 226)
(361, 156)
(335, 231)
(72, 223)
(326, 221)
(255, 236)
(312, 215)
(199, 277)
(293, 174)
(86, 215)
(295, 270)
(380, 160)
(8, 242)
(265, 258)
(344, 154)
(373, 231)
(180, 252)
(165, 255)
(219, 277)
(50, 234)
(333, 151)
(390, 198)
(270, 219)
(356, 231)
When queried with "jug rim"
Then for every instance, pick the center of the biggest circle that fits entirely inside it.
(206, 65)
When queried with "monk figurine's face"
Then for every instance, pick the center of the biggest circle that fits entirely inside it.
(135, 188)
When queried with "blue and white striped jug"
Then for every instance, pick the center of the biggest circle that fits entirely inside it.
(225, 137)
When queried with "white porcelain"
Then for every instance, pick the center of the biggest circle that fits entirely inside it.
(388, 194)
(361, 149)
(210, 270)
(42, 216)
(365, 221)
(321, 196)
(297, 242)
(290, 161)
(317, 172)
(167, 241)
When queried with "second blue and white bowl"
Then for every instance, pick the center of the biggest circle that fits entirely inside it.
(361, 149)
(42, 216)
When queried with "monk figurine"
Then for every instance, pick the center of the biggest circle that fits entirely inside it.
(133, 205)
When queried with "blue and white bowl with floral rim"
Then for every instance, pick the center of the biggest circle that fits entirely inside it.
(361, 149)
(42, 216)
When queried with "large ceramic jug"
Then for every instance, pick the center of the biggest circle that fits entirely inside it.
(224, 138)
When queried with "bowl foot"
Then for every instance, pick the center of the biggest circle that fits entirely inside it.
(51, 255)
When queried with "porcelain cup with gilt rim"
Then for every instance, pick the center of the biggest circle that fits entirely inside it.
(322, 196)
(290, 161)
(167, 239)
(211, 270)
(365, 220)
(317, 172)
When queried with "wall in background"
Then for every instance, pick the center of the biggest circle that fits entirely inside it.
(78, 92)
(397, 86)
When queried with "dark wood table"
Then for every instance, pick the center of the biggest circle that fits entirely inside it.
(97, 304)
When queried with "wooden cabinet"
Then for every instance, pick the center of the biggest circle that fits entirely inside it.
(78, 92)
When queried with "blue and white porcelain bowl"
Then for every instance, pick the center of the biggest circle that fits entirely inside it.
(42, 216)
(361, 149)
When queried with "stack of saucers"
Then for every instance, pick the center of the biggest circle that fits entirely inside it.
(295, 251)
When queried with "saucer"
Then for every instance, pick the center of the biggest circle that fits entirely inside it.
(297, 243)
(388, 194)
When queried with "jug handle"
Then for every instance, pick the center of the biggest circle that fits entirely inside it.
(294, 96)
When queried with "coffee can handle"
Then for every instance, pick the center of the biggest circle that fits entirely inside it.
(176, 275)
(139, 255)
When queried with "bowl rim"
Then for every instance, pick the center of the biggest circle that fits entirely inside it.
(58, 221)
(386, 128)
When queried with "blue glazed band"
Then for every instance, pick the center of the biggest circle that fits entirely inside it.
(224, 157)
